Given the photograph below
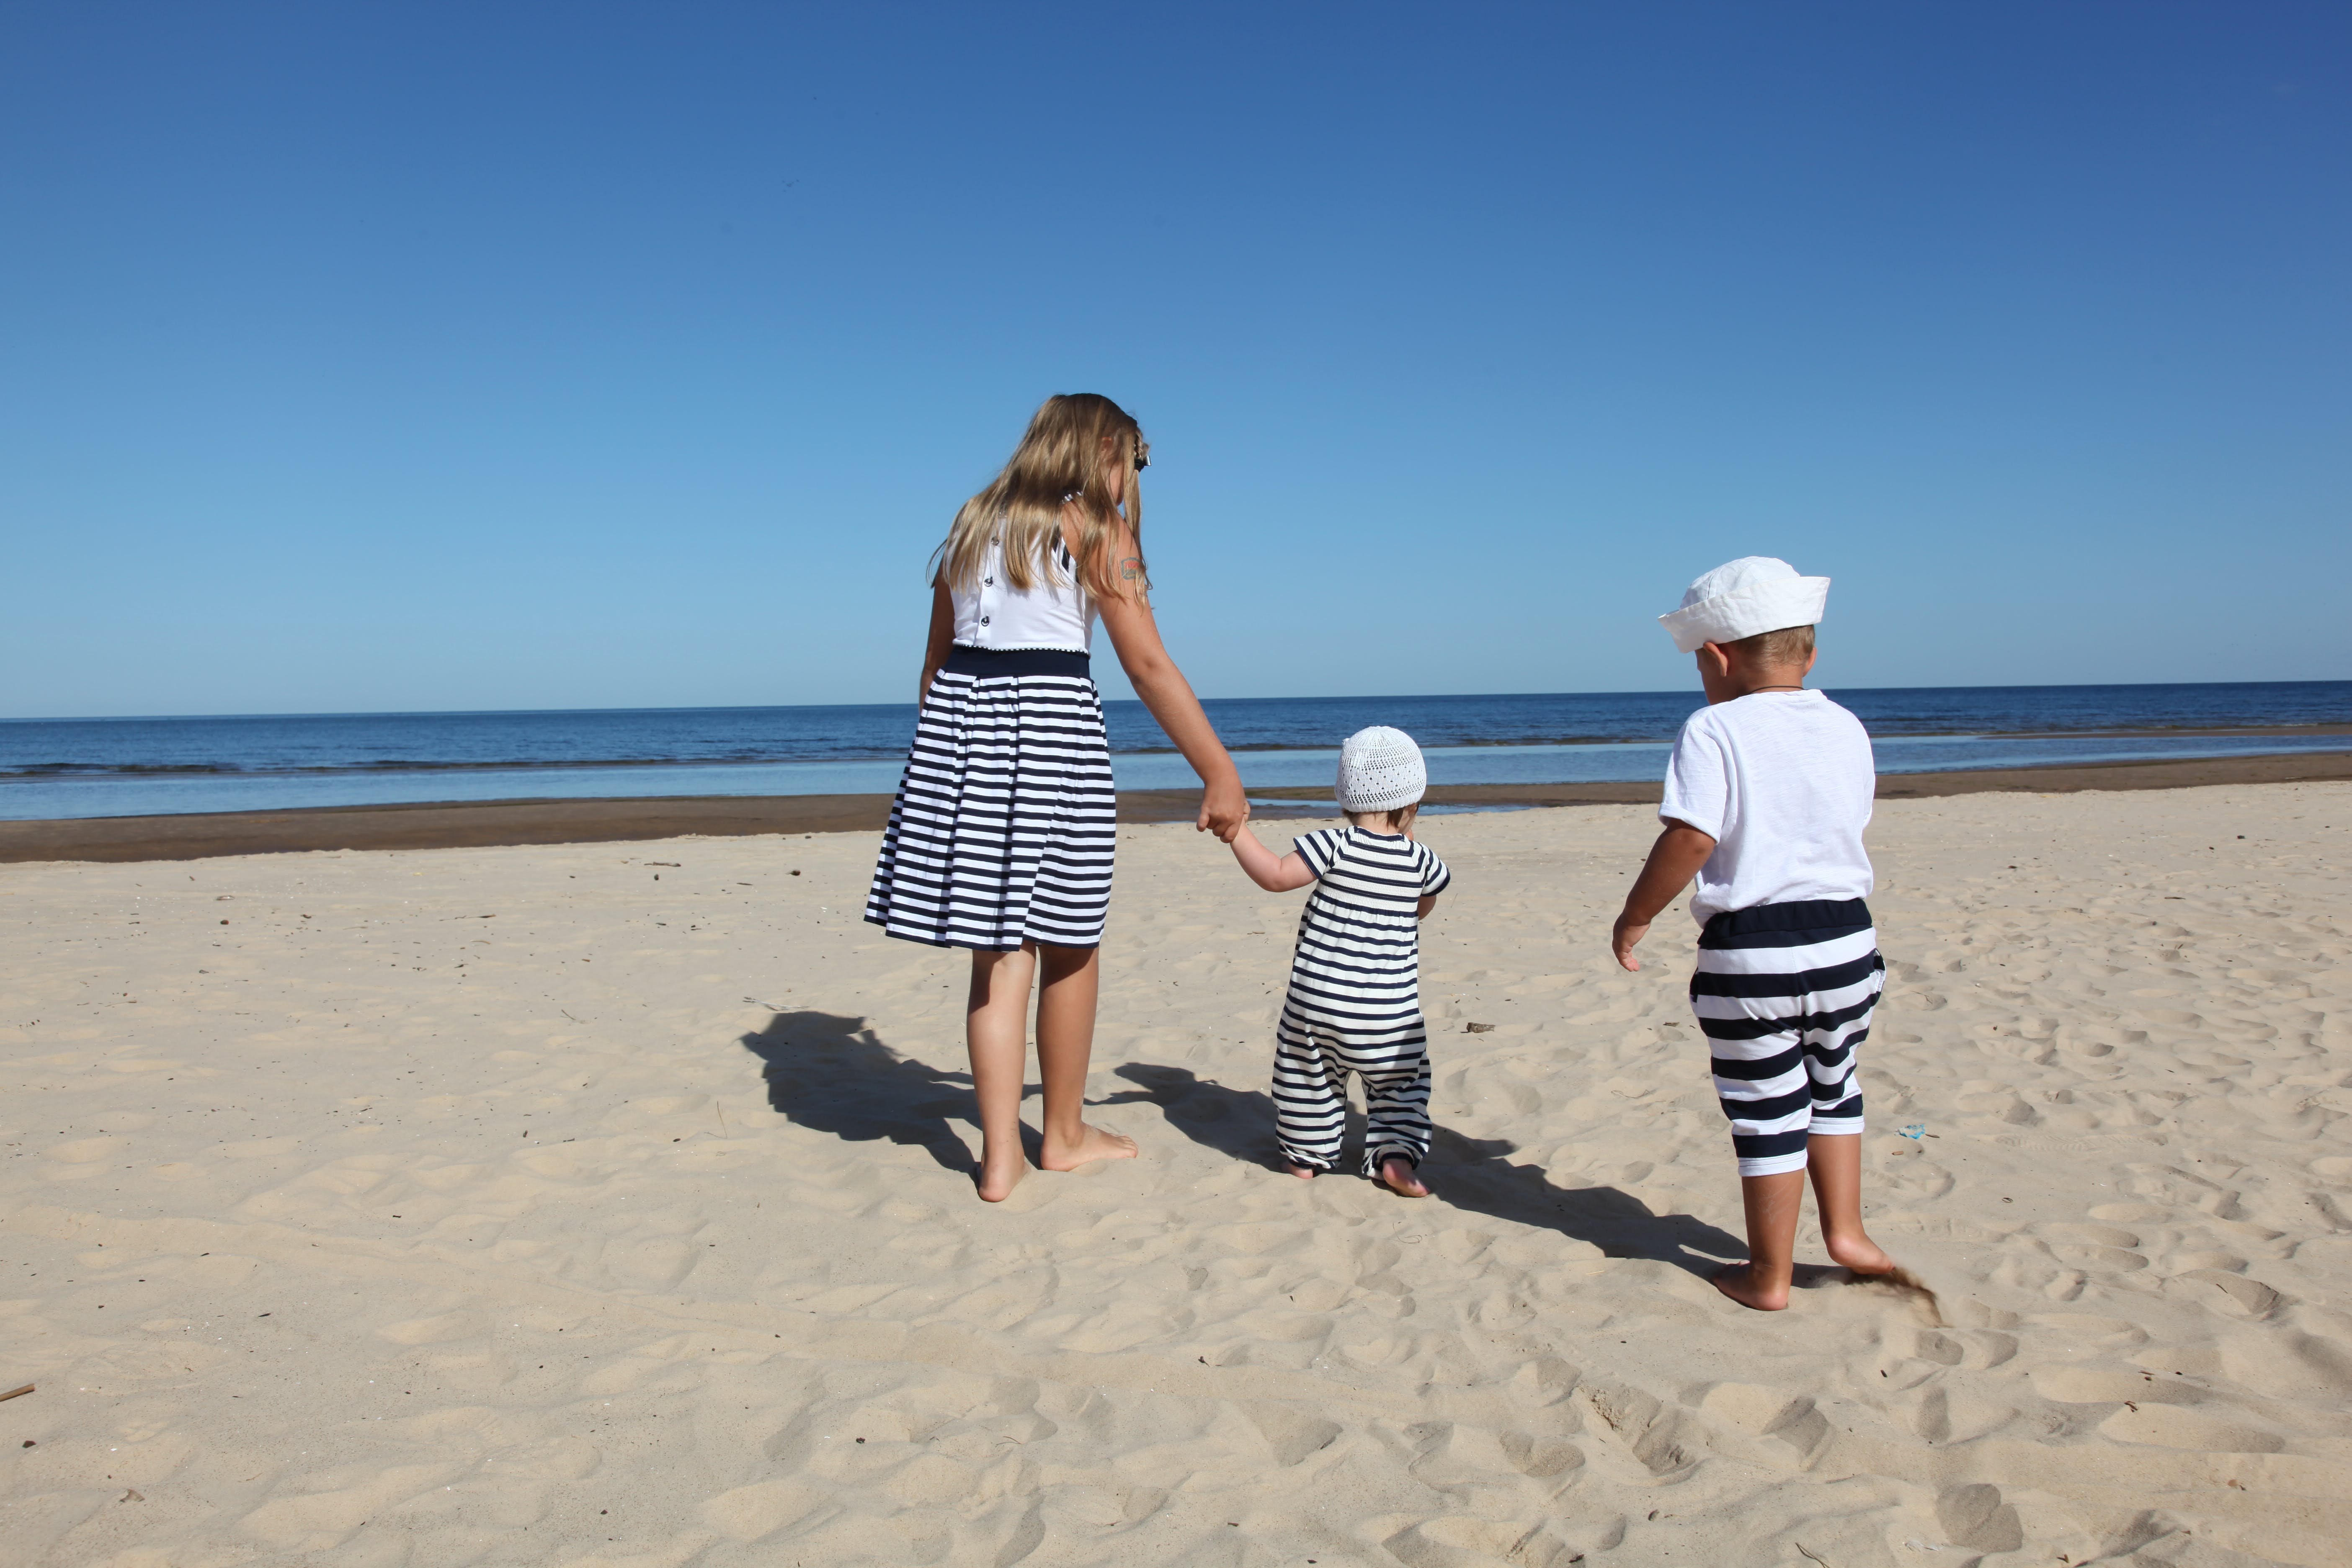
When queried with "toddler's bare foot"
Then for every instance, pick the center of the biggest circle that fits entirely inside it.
(1739, 1283)
(999, 1178)
(1859, 1253)
(1397, 1175)
(1304, 1173)
(1093, 1144)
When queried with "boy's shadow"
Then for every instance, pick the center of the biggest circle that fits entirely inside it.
(1467, 1172)
(831, 1074)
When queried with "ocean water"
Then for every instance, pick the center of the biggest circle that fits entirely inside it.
(122, 767)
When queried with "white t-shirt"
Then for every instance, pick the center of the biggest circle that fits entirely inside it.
(1782, 781)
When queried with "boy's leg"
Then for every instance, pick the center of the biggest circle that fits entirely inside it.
(1771, 1204)
(1396, 1112)
(1066, 1042)
(1766, 1095)
(1835, 1163)
(1310, 1105)
(1838, 1024)
(996, 1032)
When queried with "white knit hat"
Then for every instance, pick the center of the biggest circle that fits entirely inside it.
(1381, 770)
(1744, 597)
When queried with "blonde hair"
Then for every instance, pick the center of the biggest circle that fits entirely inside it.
(1790, 644)
(1061, 458)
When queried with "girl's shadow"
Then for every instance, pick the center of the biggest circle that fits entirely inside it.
(831, 1074)
(1467, 1173)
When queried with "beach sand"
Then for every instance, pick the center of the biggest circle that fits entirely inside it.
(611, 1204)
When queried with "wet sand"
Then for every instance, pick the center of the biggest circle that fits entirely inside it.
(477, 824)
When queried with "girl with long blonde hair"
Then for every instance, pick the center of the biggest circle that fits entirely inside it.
(1000, 838)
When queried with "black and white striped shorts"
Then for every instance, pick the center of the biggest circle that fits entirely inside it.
(1784, 994)
(1006, 823)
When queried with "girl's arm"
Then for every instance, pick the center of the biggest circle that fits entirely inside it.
(935, 651)
(1287, 875)
(1164, 690)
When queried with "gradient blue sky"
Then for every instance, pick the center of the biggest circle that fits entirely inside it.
(431, 356)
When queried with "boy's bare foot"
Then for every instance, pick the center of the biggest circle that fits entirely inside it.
(999, 1178)
(1304, 1173)
(1093, 1144)
(1739, 1283)
(1397, 1175)
(1859, 1255)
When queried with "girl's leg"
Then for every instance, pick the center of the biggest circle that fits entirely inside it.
(996, 1030)
(1065, 1044)
(1836, 1165)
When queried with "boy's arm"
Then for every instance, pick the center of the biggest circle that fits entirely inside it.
(1286, 875)
(1428, 903)
(1674, 860)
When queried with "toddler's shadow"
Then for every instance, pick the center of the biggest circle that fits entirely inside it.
(1467, 1172)
(833, 1074)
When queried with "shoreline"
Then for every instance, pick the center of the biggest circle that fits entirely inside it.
(196, 836)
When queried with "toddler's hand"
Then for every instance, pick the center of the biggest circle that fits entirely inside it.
(1623, 935)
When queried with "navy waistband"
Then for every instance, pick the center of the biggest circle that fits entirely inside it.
(988, 661)
(1801, 914)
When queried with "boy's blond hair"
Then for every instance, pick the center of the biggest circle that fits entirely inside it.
(1790, 644)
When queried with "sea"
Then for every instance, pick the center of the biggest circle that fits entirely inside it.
(130, 767)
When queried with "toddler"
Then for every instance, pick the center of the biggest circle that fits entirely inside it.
(1354, 1002)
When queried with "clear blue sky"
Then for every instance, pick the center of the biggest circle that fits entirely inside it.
(425, 356)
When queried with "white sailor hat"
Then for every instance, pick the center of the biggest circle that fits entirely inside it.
(1741, 598)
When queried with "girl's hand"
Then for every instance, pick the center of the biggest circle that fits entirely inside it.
(1225, 806)
(1622, 937)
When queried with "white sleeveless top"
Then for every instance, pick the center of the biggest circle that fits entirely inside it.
(995, 615)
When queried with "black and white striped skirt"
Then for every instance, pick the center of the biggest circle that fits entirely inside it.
(1005, 822)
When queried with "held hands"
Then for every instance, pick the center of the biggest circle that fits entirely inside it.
(1623, 935)
(1223, 808)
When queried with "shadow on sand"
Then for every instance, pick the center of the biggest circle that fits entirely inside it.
(1471, 1173)
(831, 1074)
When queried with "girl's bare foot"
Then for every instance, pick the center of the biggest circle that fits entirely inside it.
(999, 1178)
(1739, 1283)
(1397, 1175)
(1093, 1144)
(1304, 1173)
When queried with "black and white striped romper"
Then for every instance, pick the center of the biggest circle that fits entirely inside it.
(1354, 1004)
(1006, 823)
(1784, 994)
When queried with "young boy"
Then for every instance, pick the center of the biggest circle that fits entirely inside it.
(1354, 1004)
(1767, 795)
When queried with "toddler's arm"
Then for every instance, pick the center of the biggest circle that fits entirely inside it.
(1284, 875)
(1674, 860)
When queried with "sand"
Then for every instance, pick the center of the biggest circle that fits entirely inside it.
(512, 1206)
